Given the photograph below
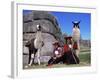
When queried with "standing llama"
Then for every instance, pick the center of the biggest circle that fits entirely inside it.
(35, 46)
(76, 36)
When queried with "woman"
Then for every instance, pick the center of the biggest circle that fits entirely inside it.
(69, 55)
(56, 58)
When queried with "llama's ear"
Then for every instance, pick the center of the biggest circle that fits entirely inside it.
(79, 22)
(39, 24)
(78, 27)
(72, 22)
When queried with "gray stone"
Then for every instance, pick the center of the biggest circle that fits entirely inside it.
(50, 33)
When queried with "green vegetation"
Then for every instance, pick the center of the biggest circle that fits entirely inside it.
(85, 60)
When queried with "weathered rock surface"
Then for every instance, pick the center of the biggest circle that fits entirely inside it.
(50, 32)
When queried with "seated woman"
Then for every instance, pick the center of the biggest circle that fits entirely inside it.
(56, 58)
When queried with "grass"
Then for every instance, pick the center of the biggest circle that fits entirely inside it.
(85, 58)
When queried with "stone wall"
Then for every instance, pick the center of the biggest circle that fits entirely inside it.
(50, 32)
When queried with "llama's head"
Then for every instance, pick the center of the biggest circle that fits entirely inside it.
(76, 31)
(38, 27)
(76, 24)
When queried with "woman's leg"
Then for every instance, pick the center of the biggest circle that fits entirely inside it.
(65, 58)
(57, 60)
(50, 61)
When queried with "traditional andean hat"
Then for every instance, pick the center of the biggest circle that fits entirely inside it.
(69, 37)
(55, 43)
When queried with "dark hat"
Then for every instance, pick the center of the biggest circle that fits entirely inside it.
(69, 37)
(55, 43)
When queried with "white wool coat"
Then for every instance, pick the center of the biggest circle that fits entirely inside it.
(76, 34)
(38, 40)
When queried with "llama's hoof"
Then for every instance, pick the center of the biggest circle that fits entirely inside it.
(26, 66)
(29, 64)
(39, 64)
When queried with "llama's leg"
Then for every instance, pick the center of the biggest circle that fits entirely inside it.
(78, 50)
(77, 53)
(29, 59)
(38, 56)
(34, 52)
(32, 58)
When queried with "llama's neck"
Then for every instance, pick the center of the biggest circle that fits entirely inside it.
(38, 40)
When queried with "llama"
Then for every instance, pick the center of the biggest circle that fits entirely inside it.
(76, 36)
(38, 42)
(35, 46)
